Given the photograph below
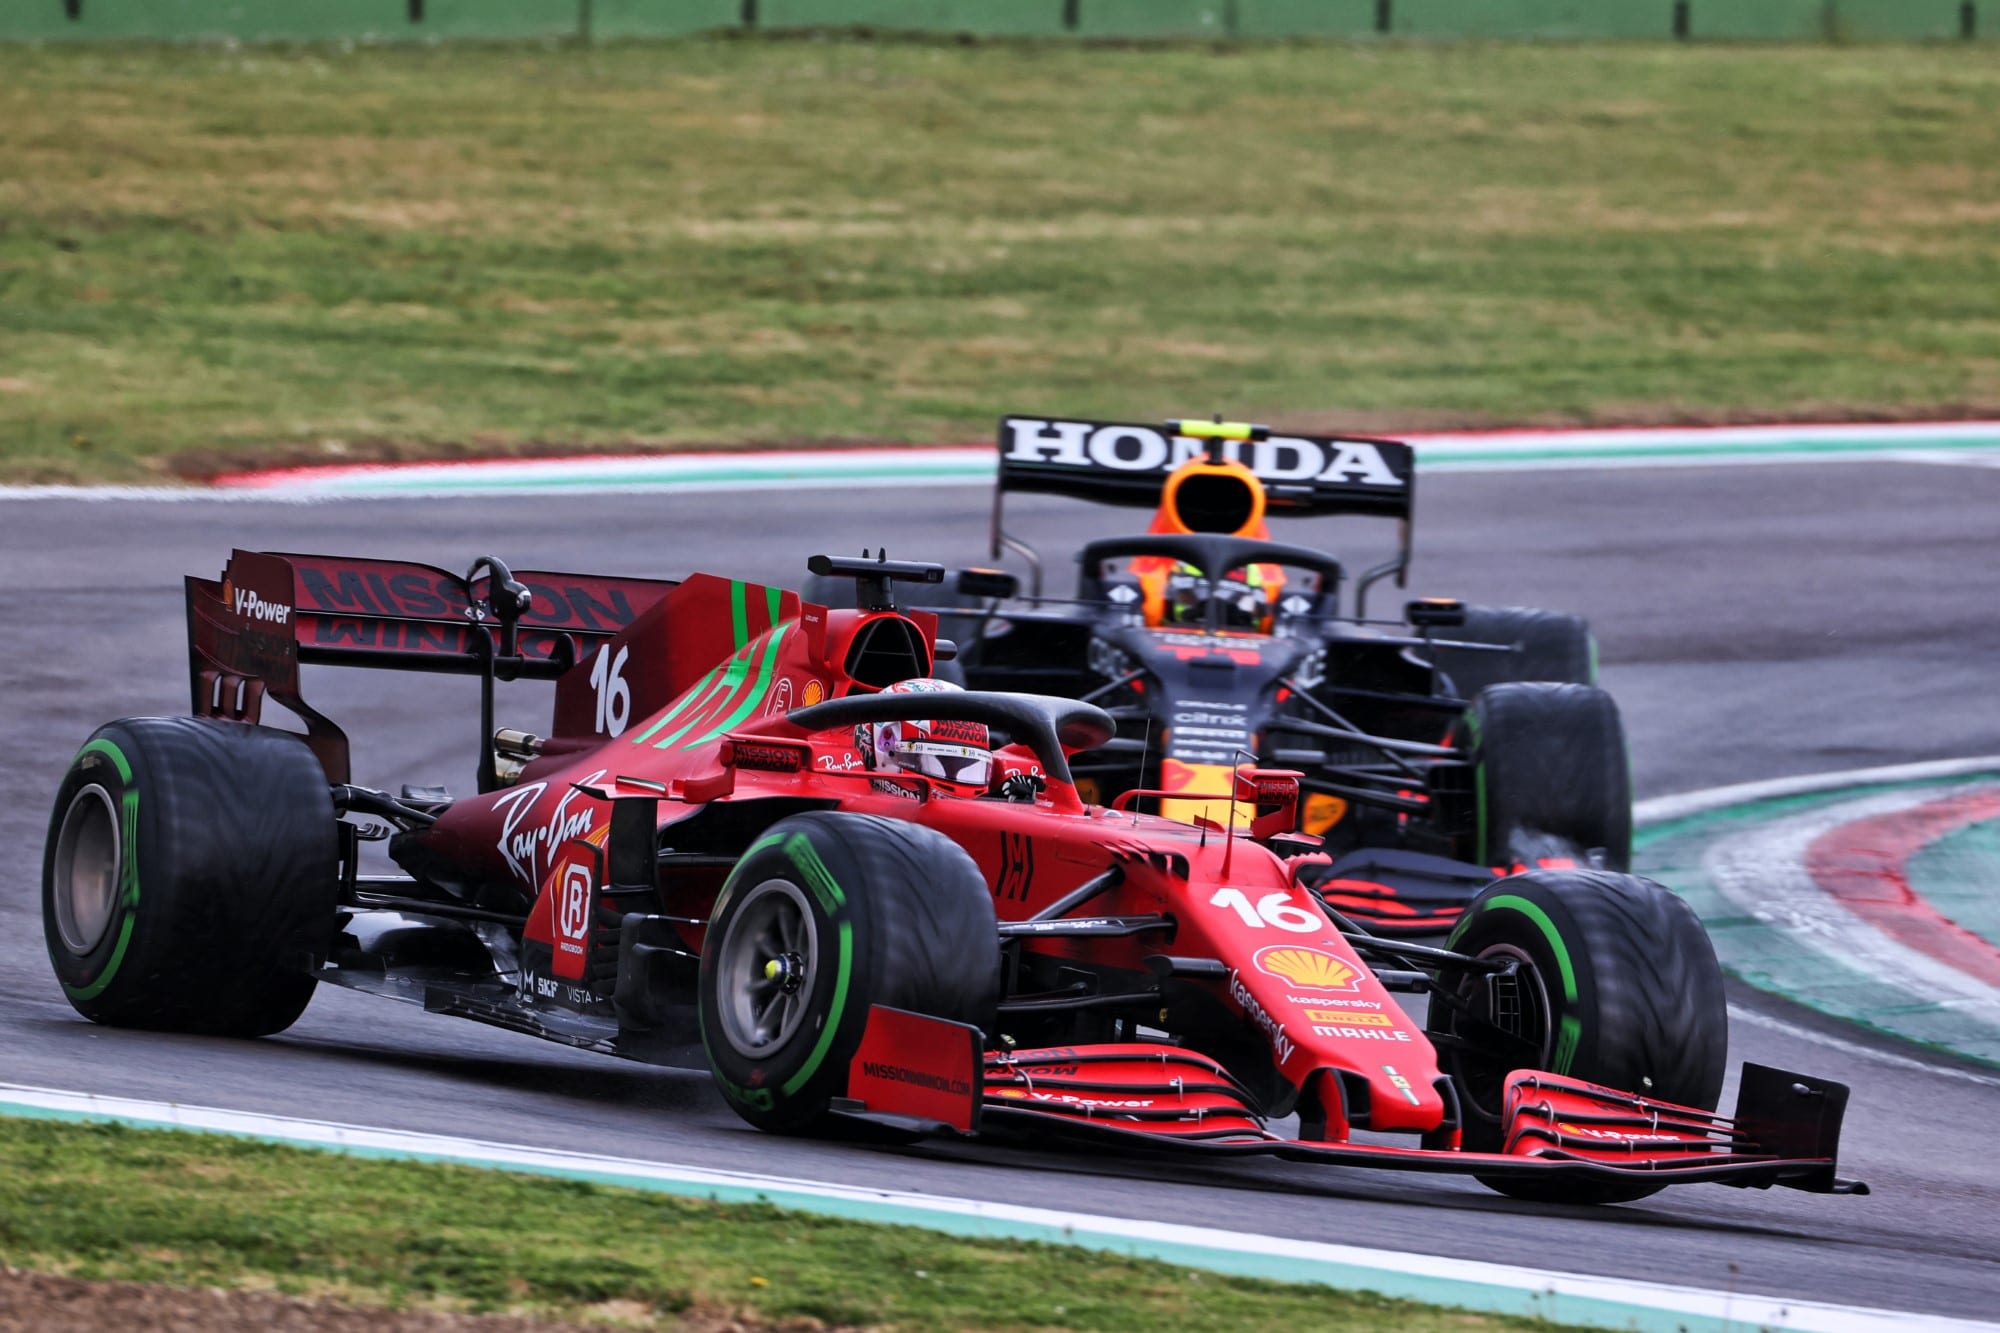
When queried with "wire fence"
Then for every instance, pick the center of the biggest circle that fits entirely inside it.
(605, 20)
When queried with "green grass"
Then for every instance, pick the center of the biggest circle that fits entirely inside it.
(211, 255)
(193, 1210)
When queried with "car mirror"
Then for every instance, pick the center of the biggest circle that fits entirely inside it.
(1435, 613)
(987, 583)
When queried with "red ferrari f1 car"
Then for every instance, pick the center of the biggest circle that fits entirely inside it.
(760, 839)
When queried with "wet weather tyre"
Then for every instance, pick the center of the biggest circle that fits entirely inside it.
(1549, 646)
(1617, 984)
(1551, 779)
(826, 915)
(190, 877)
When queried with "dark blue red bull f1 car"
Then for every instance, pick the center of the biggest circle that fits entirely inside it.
(1435, 748)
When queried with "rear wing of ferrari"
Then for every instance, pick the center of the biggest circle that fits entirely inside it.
(1127, 464)
(251, 630)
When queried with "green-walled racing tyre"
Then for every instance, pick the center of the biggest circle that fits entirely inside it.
(190, 878)
(825, 916)
(1616, 984)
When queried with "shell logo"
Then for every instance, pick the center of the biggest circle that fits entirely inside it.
(1309, 969)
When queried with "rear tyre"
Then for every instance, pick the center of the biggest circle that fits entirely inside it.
(1551, 776)
(826, 915)
(1617, 984)
(1549, 646)
(190, 877)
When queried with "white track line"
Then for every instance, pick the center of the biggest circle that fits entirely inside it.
(1961, 433)
(1661, 809)
(1965, 443)
(1739, 1014)
(1559, 1297)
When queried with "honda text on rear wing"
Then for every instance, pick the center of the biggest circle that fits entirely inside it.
(1127, 464)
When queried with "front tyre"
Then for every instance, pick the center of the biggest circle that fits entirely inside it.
(826, 915)
(190, 876)
(1616, 984)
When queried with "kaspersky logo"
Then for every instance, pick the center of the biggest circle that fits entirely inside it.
(1307, 968)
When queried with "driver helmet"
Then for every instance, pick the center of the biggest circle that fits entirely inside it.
(1243, 598)
(948, 749)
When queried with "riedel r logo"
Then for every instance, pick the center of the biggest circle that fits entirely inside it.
(573, 907)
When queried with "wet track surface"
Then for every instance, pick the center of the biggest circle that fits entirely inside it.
(1755, 621)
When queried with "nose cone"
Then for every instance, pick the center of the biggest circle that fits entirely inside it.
(1321, 1008)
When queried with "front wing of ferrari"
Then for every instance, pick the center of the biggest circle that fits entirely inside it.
(922, 1072)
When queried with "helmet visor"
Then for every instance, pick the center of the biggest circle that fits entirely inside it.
(947, 761)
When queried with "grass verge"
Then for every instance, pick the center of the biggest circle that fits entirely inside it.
(212, 256)
(104, 1201)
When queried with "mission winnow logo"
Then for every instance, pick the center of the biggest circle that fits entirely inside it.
(888, 1073)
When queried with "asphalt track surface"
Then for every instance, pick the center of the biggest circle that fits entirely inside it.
(1756, 622)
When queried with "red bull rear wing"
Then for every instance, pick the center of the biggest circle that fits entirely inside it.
(1127, 464)
(1123, 463)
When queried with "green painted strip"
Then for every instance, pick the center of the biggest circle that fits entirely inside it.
(1806, 448)
(773, 599)
(739, 614)
(128, 864)
(832, 1026)
(732, 674)
(973, 465)
(1570, 1029)
(824, 886)
(392, 484)
(699, 690)
(110, 972)
(757, 691)
(805, 858)
(111, 752)
(128, 868)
